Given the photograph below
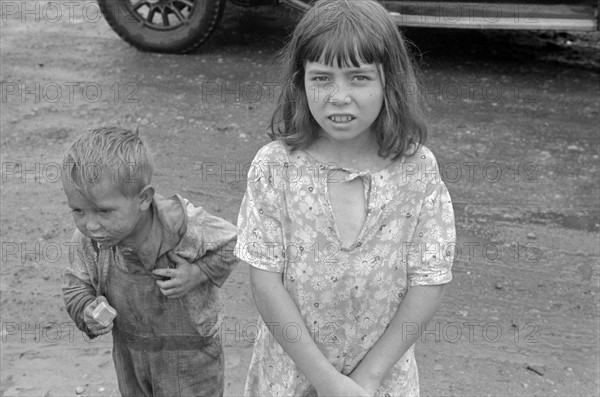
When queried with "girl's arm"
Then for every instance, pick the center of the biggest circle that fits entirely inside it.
(278, 309)
(417, 308)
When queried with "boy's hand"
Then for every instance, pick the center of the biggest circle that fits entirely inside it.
(94, 326)
(185, 277)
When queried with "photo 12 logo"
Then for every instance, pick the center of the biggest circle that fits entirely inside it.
(50, 332)
(465, 13)
(69, 92)
(248, 92)
(50, 11)
(53, 172)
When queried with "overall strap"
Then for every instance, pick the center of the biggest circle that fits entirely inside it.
(102, 267)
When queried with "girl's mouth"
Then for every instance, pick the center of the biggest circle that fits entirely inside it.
(341, 118)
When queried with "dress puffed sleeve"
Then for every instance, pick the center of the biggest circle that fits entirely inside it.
(431, 253)
(260, 231)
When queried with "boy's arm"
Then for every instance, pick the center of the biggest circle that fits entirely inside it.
(78, 289)
(218, 264)
(214, 266)
(77, 296)
(217, 245)
(209, 239)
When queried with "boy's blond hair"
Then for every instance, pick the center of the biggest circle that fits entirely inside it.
(108, 152)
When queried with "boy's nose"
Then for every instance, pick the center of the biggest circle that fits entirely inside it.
(91, 224)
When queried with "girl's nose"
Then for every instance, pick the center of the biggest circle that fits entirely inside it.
(340, 95)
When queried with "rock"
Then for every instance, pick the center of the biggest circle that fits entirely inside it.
(231, 126)
(531, 236)
(536, 369)
(574, 148)
(179, 118)
(498, 285)
(438, 367)
(79, 390)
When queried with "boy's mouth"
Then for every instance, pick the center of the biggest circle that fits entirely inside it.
(103, 242)
(341, 118)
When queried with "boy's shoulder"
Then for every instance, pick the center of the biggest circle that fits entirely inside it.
(201, 230)
(171, 211)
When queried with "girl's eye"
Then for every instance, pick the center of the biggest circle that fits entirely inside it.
(361, 78)
(320, 78)
(77, 211)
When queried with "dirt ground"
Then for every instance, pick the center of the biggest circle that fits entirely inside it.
(514, 125)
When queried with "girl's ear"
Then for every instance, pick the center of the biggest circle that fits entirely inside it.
(146, 196)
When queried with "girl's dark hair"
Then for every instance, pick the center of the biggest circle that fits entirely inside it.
(348, 32)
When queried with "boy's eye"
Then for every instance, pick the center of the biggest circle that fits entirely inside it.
(103, 211)
(76, 211)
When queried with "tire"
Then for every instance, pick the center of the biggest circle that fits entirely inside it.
(171, 26)
(299, 5)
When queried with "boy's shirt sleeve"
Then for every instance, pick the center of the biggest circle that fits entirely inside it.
(216, 239)
(80, 281)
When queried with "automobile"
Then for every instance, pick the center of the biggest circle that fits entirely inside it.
(180, 26)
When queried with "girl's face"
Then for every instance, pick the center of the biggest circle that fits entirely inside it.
(345, 101)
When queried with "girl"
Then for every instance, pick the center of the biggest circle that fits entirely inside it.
(346, 223)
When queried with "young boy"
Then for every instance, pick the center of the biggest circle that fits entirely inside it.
(157, 261)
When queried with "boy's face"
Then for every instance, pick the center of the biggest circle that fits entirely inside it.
(110, 217)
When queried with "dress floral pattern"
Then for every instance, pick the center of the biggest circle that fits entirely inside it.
(347, 296)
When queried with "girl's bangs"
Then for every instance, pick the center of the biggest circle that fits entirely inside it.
(345, 46)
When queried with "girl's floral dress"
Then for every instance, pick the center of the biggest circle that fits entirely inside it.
(346, 296)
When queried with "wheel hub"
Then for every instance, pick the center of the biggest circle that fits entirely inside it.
(162, 14)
